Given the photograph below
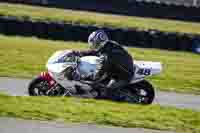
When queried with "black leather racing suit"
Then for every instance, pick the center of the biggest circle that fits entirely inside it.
(117, 63)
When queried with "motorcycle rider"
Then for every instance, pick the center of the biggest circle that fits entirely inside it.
(116, 62)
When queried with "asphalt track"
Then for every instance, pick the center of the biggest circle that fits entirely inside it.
(11, 125)
(18, 87)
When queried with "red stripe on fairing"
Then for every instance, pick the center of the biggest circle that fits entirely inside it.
(46, 76)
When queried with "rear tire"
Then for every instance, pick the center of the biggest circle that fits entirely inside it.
(38, 87)
(146, 88)
(138, 93)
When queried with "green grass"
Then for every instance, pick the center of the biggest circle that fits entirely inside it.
(100, 112)
(91, 18)
(26, 57)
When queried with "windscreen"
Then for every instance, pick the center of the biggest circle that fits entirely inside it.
(61, 57)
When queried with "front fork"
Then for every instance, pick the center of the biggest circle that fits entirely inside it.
(52, 84)
(46, 76)
(54, 87)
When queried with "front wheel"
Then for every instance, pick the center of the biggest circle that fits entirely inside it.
(38, 87)
(139, 93)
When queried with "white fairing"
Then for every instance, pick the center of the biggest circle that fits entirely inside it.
(60, 66)
(88, 66)
(56, 68)
(146, 68)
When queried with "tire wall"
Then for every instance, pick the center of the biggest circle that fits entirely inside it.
(72, 32)
(128, 7)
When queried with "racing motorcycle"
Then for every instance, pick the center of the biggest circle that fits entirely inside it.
(55, 81)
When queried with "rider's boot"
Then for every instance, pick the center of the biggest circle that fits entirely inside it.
(112, 86)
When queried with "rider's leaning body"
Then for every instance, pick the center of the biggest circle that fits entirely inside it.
(116, 62)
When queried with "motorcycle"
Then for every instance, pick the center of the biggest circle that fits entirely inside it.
(54, 82)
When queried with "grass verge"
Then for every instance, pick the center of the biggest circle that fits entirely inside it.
(82, 17)
(100, 112)
(26, 57)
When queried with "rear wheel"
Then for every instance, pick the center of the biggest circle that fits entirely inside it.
(140, 93)
(38, 87)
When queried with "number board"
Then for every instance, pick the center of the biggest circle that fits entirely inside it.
(144, 71)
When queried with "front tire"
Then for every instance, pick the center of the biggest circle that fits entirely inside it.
(38, 87)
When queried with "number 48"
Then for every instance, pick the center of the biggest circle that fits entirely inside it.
(143, 71)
